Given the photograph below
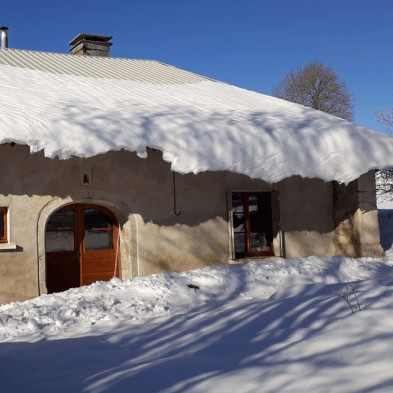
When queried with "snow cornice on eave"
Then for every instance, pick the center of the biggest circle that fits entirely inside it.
(201, 126)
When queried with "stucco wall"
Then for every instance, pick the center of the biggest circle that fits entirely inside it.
(307, 217)
(140, 193)
(356, 218)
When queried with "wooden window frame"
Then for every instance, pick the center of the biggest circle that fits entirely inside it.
(248, 253)
(4, 239)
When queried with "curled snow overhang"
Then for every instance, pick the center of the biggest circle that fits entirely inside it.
(199, 126)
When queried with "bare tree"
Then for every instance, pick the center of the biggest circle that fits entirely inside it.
(384, 177)
(317, 86)
(386, 118)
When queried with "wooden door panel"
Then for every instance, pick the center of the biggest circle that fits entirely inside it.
(101, 263)
(90, 279)
(98, 255)
(62, 271)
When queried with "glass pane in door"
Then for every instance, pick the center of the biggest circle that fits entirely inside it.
(237, 203)
(260, 212)
(259, 242)
(97, 219)
(99, 240)
(59, 241)
(61, 220)
(239, 223)
(240, 242)
(253, 203)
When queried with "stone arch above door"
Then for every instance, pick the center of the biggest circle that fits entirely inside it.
(128, 230)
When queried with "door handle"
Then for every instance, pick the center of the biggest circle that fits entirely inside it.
(77, 254)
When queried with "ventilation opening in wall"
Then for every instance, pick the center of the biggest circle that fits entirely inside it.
(86, 178)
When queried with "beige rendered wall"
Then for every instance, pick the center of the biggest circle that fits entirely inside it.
(355, 218)
(306, 207)
(140, 193)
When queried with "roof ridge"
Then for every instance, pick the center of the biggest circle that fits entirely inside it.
(69, 54)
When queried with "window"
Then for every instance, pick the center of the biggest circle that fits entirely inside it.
(3, 225)
(252, 224)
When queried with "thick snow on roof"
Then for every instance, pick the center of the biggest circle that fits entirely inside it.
(199, 126)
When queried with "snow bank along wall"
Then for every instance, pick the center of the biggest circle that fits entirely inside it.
(317, 218)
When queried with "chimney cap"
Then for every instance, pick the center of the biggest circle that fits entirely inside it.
(4, 28)
(90, 37)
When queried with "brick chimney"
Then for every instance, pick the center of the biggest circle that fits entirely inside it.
(91, 45)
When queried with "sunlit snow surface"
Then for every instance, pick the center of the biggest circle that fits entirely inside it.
(168, 293)
(198, 127)
(274, 327)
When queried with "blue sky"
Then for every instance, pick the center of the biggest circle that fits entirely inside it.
(250, 44)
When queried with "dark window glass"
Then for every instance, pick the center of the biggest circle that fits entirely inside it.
(257, 203)
(61, 220)
(259, 242)
(240, 242)
(96, 219)
(253, 203)
(98, 240)
(237, 203)
(1, 223)
(239, 223)
(260, 212)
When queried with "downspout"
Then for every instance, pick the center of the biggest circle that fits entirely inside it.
(174, 195)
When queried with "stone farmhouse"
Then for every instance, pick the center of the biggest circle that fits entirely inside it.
(124, 167)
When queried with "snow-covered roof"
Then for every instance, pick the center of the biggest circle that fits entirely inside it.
(84, 106)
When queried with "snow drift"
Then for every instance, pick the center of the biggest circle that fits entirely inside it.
(172, 293)
(204, 126)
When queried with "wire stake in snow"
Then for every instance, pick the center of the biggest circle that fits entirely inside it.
(344, 295)
(117, 253)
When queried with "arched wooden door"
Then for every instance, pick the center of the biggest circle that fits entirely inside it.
(81, 244)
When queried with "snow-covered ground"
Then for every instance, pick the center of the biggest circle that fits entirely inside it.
(273, 327)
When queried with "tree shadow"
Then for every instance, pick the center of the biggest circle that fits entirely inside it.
(207, 349)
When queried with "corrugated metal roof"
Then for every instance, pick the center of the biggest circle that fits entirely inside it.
(150, 71)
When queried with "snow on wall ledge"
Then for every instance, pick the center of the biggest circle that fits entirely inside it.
(198, 127)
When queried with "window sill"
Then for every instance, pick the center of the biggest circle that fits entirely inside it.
(258, 258)
(7, 246)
